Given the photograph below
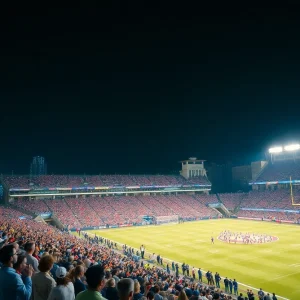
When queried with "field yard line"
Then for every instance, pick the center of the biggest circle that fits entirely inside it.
(247, 286)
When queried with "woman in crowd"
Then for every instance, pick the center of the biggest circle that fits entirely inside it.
(182, 295)
(21, 263)
(75, 275)
(64, 289)
(42, 282)
(137, 288)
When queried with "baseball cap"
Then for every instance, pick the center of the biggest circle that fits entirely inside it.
(61, 272)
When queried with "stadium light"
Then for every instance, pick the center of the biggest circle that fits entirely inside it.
(293, 147)
(275, 150)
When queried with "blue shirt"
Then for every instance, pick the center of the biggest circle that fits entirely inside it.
(12, 286)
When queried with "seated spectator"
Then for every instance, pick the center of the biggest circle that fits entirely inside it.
(42, 282)
(64, 289)
(96, 281)
(12, 286)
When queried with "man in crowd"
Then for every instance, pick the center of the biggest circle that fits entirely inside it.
(226, 283)
(12, 286)
(125, 289)
(95, 278)
(235, 287)
(142, 249)
(200, 274)
(29, 248)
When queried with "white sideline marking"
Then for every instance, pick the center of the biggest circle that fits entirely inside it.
(285, 275)
(295, 265)
(245, 285)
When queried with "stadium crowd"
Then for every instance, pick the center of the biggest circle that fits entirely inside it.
(69, 181)
(41, 262)
(98, 211)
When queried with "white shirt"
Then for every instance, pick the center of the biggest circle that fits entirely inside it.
(62, 292)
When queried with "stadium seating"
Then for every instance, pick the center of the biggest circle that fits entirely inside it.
(52, 181)
(280, 171)
(70, 251)
(99, 211)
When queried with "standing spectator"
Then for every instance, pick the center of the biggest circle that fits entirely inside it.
(111, 291)
(230, 283)
(157, 296)
(274, 297)
(42, 282)
(142, 249)
(193, 273)
(115, 273)
(29, 248)
(261, 294)
(125, 289)
(217, 279)
(240, 297)
(226, 283)
(235, 287)
(21, 264)
(268, 297)
(200, 274)
(64, 289)
(11, 284)
(182, 296)
(137, 291)
(76, 274)
(95, 279)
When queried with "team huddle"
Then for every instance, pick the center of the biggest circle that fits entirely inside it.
(244, 238)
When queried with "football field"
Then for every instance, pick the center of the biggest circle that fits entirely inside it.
(274, 266)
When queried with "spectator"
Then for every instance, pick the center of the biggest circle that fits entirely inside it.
(76, 274)
(111, 291)
(21, 264)
(29, 248)
(240, 297)
(95, 280)
(125, 289)
(182, 295)
(137, 291)
(12, 286)
(64, 289)
(274, 297)
(42, 282)
(150, 296)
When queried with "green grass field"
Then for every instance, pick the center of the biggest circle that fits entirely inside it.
(274, 266)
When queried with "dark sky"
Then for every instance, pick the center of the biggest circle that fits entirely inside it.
(135, 88)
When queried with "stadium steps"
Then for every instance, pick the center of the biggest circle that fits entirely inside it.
(71, 210)
(89, 204)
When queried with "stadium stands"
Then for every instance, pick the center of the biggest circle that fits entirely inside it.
(99, 211)
(69, 251)
(52, 181)
(280, 171)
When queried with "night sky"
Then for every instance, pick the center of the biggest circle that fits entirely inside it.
(135, 89)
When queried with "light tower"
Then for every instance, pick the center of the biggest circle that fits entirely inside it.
(192, 167)
(38, 166)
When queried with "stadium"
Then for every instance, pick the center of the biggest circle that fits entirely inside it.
(251, 237)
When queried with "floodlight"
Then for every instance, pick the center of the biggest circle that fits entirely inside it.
(275, 150)
(293, 147)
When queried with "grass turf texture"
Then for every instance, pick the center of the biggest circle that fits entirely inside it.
(273, 266)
